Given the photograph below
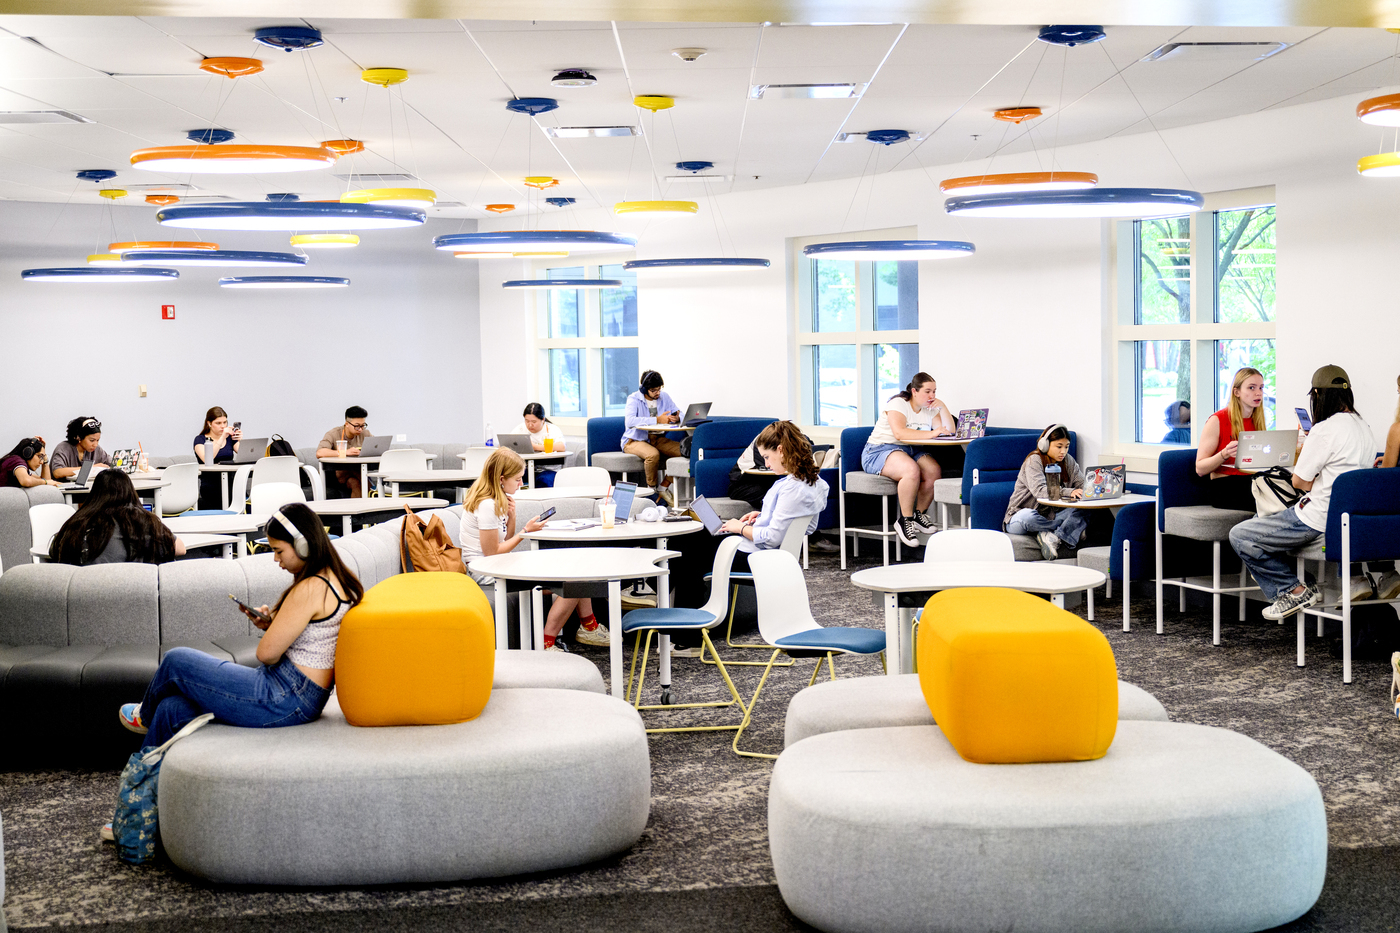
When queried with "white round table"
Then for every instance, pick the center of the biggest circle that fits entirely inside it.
(1028, 576)
(944, 441)
(550, 493)
(578, 565)
(1129, 498)
(150, 481)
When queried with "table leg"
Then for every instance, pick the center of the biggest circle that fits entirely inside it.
(68, 498)
(223, 489)
(537, 615)
(1058, 599)
(395, 488)
(364, 481)
(228, 551)
(502, 616)
(243, 545)
(663, 601)
(345, 526)
(615, 672)
(893, 660)
(523, 624)
(530, 468)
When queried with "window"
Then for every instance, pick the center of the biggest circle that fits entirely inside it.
(1195, 305)
(588, 342)
(858, 337)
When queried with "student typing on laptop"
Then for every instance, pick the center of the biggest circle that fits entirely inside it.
(799, 492)
(26, 465)
(84, 433)
(1229, 486)
(353, 432)
(651, 405)
(539, 427)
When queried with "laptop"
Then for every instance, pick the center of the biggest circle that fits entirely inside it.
(80, 480)
(520, 443)
(1105, 482)
(623, 494)
(697, 414)
(124, 459)
(250, 450)
(1304, 421)
(1260, 450)
(707, 515)
(376, 445)
(972, 422)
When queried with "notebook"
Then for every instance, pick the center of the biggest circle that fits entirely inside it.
(972, 422)
(1105, 482)
(707, 515)
(1260, 450)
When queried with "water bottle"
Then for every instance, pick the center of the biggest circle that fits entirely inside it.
(490, 436)
(1052, 480)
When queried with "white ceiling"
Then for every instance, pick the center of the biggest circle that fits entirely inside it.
(138, 79)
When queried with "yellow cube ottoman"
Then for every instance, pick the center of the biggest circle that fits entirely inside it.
(1012, 679)
(419, 649)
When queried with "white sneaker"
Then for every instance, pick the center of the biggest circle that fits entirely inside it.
(1388, 587)
(1289, 603)
(1361, 588)
(664, 494)
(1049, 545)
(597, 636)
(686, 652)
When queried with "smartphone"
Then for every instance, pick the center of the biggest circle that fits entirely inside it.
(249, 610)
(237, 425)
(1303, 420)
(547, 514)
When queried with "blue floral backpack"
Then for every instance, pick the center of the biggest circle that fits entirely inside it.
(136, 824)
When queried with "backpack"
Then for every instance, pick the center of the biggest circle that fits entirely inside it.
(428, 548)
(277, 446)
(1274, 491)
(136, 823)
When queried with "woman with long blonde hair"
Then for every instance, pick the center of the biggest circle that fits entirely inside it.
(488, 528)
(1230, 487)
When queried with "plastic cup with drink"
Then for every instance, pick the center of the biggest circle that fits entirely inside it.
(549, 445)
(609, 509)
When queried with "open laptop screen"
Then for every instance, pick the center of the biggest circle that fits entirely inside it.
(623, 494)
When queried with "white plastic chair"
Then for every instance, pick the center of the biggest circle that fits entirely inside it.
(582, 476)
(786, 624)
(968, 544)
(268, 497)
(474, 458)
(403, 458)
(277, 470)
(44, 522)
(794, 542)
(183, 492)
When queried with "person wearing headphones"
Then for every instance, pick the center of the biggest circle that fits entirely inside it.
(1025, 516)
(84, 433)
(650, 404)
(297, 651)
(353, 432)
(26, 465)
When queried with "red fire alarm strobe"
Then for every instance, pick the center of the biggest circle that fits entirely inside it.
(167, 312)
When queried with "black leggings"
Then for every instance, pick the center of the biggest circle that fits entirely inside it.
(1231, 492)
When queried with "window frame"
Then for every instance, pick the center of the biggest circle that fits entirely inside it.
(1201, 332)
(805, 339)
(590, 342)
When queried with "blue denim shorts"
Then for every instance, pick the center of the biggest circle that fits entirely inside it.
(873, 456)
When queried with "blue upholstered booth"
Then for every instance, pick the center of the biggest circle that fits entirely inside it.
(604, 436)
(716, 447)
(993, 462)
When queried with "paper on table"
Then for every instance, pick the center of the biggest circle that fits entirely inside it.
(570, 524)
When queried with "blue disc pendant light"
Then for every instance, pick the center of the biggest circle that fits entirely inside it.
(289, 215)
(1093, 202)
(562, 283)
(100, 274)
(884, 250)
(716, 262)
(212, 257)
(283, 281)
(575, 241)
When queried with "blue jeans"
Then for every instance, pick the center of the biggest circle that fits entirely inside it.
(190, 682)
(1262, 544)
(1068, 525)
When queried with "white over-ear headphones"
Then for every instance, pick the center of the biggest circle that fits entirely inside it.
(299, 542)
(1043, 445)
(653, 513)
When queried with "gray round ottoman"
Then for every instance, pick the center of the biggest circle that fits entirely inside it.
(516, 669)
(1178, 828)
(542, 779)
(897, 700)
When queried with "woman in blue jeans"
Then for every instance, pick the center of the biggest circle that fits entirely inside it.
(293, 683)
(1026, 516)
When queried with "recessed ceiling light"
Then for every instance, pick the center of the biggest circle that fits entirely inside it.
(41, 116)
(580, 132)
(701, 178)
(573, 77)
(813, 91)
(376, 181)
(1214, 51)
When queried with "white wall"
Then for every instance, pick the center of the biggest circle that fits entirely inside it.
(401, 340)
(1021, 327)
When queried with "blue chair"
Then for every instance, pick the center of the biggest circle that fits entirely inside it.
(1182, 511)
(956, 490)
(786, 624)
(1363, 524)
(858, 482)
(605, 447)
(669, 621)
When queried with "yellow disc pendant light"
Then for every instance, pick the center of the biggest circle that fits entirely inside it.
(384, 77)
(540, 181)
(1381, 165)
(391, 197)
(325, 240)
(104, 259)
(656, 207)
(654, 103)
(166, 245)
(112, 194)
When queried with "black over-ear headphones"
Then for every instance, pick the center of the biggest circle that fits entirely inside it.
(1043, 445)
(299, 542)
(27, 452)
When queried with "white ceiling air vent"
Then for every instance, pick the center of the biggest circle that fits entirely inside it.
(441, 204)
(698, 177)
(810, 91)
(41, 116)
(582, 132)
(1214, 51)
(370, 181)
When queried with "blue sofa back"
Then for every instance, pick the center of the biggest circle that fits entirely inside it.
(604, 436)
(998, 457)
(1177, 482)
(716, 449)
(1371, 497)
(852, 443)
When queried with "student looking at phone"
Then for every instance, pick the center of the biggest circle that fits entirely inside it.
(224, 438)
(488, 528)
(911, 414)
(112, 527)
(297, 649)
(650, 404)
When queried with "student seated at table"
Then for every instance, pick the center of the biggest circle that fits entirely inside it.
(111, 527)
(1025, 516)
(488, 528)
(751, 486)
(26, 465)
(1340, 440)
(1230, 488)
(216, 431)
(82, 440)
(345, 480)
(539, 427)
(1178, 423)
(799, 491)
(911, 414)
(651, 404)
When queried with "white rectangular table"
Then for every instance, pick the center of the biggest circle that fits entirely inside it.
(1027, 576)
(539, 456)
(150, 482)
(223, 469)
(322, 463)
(1129, 498)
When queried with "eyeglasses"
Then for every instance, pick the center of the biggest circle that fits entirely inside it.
(358, 427)
(92, 424)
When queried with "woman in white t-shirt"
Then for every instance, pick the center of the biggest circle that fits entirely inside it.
(488, 528)
(539, 427)
(914, 413)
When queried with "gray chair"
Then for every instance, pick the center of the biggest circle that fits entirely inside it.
(858, 482)
(948, 492)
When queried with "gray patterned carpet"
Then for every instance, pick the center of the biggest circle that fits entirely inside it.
(707, 828)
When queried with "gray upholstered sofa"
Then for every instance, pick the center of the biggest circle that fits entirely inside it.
(76, 642)
(14, 521)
